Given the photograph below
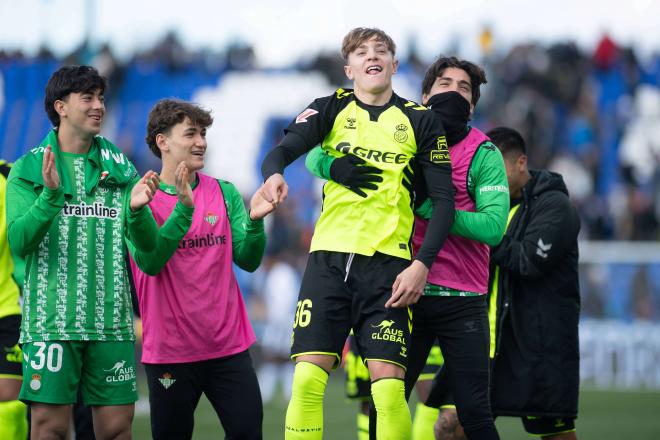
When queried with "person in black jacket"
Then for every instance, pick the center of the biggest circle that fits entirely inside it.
(534, 306)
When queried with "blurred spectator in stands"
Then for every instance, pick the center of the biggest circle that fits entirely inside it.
(107, 64)
(240, 56)
(278, 293)
(168, 52)
(330, 64)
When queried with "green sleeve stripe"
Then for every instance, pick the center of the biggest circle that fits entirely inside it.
(248, 236)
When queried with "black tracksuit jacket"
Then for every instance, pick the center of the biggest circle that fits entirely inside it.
(536, 367)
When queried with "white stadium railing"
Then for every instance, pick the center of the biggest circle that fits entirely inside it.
(620, 349)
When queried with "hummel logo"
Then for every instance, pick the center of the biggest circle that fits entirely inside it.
(542, 248)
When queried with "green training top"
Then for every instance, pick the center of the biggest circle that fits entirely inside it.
(248, 236)
(76, 282)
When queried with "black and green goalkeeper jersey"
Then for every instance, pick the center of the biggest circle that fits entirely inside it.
(486, 183)
(11, 267)
(388, 137)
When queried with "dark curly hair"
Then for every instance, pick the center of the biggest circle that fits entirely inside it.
(67, 80)
(169, 112)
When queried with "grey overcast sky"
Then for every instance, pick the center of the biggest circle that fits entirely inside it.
(285, 30)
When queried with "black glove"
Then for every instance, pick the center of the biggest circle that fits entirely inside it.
(351, 172)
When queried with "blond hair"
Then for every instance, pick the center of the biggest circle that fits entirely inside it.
(359, 35)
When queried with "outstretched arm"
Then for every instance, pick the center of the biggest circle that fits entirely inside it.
(173, 230)
(247, 231)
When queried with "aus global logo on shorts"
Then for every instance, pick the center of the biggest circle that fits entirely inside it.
(386, 332)
(120, 373)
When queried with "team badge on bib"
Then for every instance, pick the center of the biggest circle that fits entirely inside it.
(211, 218)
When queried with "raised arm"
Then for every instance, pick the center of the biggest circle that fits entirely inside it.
(29, 216)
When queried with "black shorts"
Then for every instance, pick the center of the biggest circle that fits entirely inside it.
(544, 426)
(341, 291)
(358, 384)
(11, 357)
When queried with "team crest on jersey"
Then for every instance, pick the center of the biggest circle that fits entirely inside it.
(304, 115)
(166, 380)
(211, 218)
(35, 383)
(400, 134)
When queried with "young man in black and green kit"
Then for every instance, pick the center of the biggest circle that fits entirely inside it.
(359, 273)
(453, 307)
(72, 201)
(13, 413)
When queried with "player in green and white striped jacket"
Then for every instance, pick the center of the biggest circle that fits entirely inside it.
(72, 201)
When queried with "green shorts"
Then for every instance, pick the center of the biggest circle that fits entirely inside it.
(105, 371)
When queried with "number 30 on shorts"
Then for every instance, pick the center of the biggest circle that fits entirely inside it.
(52, 358)
(303, 313)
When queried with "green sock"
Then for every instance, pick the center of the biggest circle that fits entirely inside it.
(13, 420)
(423, 422)
(362, 426)
(304, 416)
(393, 422)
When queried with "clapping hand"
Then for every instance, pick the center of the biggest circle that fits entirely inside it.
(49, 170)
(183, 188)
(143, 192)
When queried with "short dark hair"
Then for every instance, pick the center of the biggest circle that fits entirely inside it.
(507, 140)
(476, 74)
(67, 80)
(359, 35)
(169, 112)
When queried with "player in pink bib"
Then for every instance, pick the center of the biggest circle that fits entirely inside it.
(195, 326)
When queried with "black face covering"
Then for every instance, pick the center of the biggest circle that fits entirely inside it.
(454, 112)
